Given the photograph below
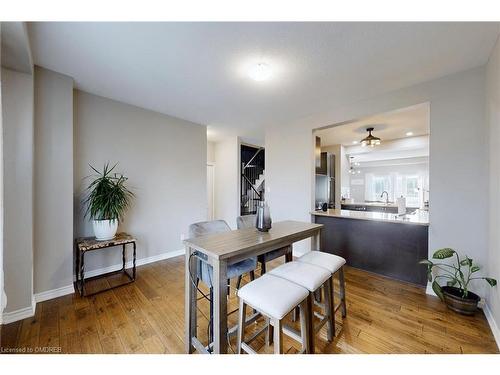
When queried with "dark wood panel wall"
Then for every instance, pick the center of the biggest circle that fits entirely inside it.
(388, 249)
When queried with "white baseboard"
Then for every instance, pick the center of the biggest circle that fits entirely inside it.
(14, 316)
(54, 293)
(492, 323)
(28, 312)
(429, 291)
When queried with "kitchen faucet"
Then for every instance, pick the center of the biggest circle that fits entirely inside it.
(386, 196)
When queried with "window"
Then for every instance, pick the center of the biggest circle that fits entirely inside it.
(375, 185)
(412, 192)
(396, 185)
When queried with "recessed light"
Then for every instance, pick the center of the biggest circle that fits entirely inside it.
(260, 72)
(355, 142)
(409, 134)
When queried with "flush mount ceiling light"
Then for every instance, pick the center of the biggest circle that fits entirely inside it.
(370, 140)
(260, 72)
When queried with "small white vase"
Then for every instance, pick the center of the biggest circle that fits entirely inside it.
(105, 229)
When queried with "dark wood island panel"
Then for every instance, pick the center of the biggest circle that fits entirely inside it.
(386, 248)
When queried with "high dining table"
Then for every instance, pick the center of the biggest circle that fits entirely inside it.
(222, 249)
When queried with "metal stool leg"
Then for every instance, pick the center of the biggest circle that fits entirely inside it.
(211, 321)
(262, 268)
(238, 283)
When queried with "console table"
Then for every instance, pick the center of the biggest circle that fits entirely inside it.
(86, 244)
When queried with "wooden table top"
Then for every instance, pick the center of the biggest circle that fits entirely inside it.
(90, 243)
(229, 244)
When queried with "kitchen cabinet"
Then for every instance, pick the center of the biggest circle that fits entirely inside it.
(322, 169)
(321, 159)
(386, 248)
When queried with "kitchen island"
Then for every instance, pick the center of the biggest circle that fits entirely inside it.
(379, 242)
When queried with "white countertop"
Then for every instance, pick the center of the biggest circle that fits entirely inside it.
(420, 217)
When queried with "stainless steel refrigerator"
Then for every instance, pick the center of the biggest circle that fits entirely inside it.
(325, 181)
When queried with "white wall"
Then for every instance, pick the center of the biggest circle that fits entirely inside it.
(493, 117)
(18, 187)
(458, 215)
(53, 235)
(227, 180)
(165, 161)
(210, 152)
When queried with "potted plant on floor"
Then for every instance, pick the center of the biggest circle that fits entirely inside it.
(455, 293)
(106, 202)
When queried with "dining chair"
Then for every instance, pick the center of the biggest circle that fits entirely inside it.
(248, 221)
(204, 271)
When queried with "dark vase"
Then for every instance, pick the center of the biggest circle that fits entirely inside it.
(454, 300)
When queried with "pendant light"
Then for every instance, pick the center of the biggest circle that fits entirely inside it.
(352, 164)
(370, 140)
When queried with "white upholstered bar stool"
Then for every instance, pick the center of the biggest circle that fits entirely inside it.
(334, 264)
(274, 298)
(312, 278)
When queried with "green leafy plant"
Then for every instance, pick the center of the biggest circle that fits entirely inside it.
(457, 275)
(107, 196)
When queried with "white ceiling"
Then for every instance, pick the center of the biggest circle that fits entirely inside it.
(198, 71)
(387, 126)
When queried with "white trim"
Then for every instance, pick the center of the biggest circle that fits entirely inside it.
(139, 262)
(54, 293)
(492, 323)
(14, 316)
(429, 291)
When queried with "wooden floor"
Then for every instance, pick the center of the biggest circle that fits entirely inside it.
(384, 316)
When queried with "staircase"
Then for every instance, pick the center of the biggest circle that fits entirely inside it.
(252, 179)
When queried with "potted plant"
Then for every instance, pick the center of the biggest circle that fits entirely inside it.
(106, 202)
(455, 293)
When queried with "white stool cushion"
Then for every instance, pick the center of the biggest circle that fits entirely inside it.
(307, 275)
(329, 261)
(272, 296)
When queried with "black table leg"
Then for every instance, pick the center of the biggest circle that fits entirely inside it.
(82, 273)
(80, 269)
(133, 270)
(123, 257)
(77, 267)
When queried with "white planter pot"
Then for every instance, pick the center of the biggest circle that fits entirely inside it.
(105, 229)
